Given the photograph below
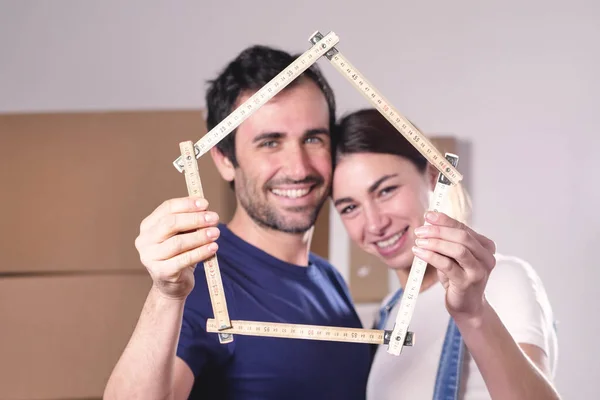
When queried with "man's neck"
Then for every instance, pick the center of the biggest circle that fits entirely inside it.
(429, 279)
(291, 248)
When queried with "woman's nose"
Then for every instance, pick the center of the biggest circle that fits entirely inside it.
(376, 220)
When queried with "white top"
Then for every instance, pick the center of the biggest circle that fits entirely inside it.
(514, 290)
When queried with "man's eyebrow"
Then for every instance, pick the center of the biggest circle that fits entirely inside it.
(279, 135)
(316, 131)
(268, 135)
(379, 181)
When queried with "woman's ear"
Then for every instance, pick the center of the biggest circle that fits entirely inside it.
(432, 175)
(223, 163)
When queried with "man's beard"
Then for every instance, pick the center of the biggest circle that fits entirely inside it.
(267, 215)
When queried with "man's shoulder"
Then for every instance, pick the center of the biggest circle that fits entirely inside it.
(331, 272)
(323, 264)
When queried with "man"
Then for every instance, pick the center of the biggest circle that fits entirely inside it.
(279, 163)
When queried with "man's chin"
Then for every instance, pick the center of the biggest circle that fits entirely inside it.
(293, 225)
(296, 226)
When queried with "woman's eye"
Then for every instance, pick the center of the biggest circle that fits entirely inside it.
(387, 190)
(347, 209)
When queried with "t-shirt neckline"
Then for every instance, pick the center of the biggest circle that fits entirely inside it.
(263, 259)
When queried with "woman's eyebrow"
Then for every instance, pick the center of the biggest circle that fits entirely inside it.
(371, 189)
(379, 181)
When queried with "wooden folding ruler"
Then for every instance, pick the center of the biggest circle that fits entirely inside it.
(186, 162)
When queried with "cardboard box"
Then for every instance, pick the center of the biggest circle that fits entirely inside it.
(61, 336)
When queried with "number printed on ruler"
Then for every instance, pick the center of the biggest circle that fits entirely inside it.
(400, 336)
(274, 86)
(417, 271)
(402, 124)
(211, 266)
(309, 332)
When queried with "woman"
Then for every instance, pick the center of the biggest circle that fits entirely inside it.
(381, 189)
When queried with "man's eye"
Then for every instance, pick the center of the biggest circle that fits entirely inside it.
(314, 139)
(269, 144)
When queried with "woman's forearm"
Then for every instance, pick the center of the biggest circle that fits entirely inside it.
(508, 372)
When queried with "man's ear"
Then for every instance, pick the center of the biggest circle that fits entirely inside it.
(224, 165)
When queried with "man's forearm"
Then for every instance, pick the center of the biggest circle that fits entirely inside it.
(145, 369)
(506, 369)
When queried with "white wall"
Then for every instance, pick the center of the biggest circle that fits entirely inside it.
(517, 79)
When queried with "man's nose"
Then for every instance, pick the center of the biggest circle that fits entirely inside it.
(297, 163)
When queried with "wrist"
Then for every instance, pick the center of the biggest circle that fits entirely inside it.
(163, 299)
(474, 319)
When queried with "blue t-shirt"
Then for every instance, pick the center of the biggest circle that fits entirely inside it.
(259, 287)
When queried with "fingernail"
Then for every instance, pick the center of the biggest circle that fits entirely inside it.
(421, 242)
(431, 216)
(212, 232)
(417, 250)
(210, 217)
(201, 203)
(420, 231)
(213, 247)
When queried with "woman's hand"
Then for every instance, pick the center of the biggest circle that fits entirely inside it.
(463, 258)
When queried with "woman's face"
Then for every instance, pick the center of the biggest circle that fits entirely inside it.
(382, 199)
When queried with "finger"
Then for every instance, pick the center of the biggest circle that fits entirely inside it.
(441, 263)
(458, 236)
(189, 258)
(172, 224)
(442, 219)
(174, 206)
(181, 243)
(456, 252)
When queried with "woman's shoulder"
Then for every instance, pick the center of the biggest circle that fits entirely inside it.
(510, 268)
(517, 294)
(515, 289)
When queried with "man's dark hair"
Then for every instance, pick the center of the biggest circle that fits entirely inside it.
(249, 71)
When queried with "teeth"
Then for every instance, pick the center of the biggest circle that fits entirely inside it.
(291, 193)
(389, 242)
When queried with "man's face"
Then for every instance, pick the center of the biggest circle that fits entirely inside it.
(284, 159)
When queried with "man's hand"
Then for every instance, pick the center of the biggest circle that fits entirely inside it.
(463, 258)
(173, 239)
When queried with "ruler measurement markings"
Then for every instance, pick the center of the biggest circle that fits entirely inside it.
(211, 265)
(385, 107)
(308, 332)
(448, 175)
(417, 271)
(401, 123)
(274, 86)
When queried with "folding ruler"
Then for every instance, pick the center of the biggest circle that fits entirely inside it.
(186, 162)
